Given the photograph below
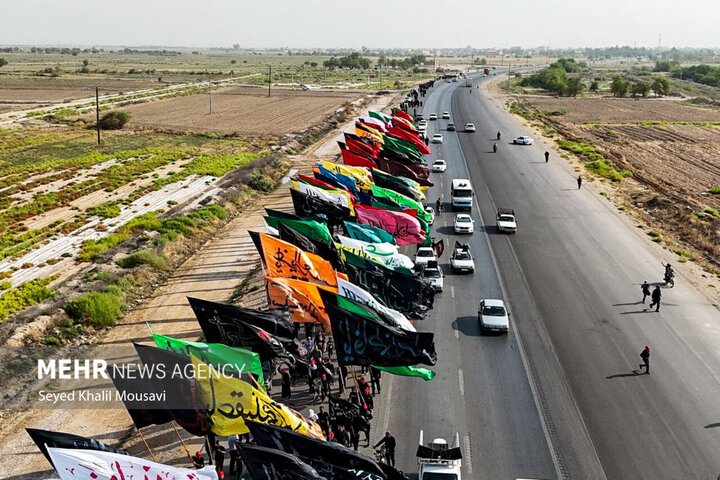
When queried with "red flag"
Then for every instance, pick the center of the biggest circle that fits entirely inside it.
(364, 140)
(357, 160)
(399, 113)
(410, 137)
(418, 173)
(316, 182)
(361, 148)
(401, 224)
(407, 125)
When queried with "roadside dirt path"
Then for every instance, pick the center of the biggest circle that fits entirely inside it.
(212, 273)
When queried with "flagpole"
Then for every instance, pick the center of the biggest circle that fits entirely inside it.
(146, 445)
(182, 441)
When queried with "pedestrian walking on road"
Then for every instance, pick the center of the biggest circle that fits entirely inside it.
(645, 355)
(219, 456)
(656, 295)
(579, 180)
(645, 290)
(375, 375)
(547, 156)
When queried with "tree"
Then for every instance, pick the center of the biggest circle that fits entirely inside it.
(313, 64)
(86, 62)
(661, 86)
(594, 86)
(640, 89)
(3, 62)
(619, 87)
(114, 120)
(574, 86)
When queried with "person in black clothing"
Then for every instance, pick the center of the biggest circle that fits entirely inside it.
(219, 456)
(361, 424)
(389, 442)
(354, 436)
(645, 355)
(579, 182)
(656, 294)
(375, 380)
(285, 374)
(645, 290)
(547, 156)
(498, 135)
(324, 420)
(343, 437)
(198, 460)
(354, 396)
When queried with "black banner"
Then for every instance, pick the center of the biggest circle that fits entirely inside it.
(333, 472)
(141, 413)
(302, 446)
(342, 412)
(306, 205)
(46, 438)
(183, 399)
(384, 180)
(221, 323)
(362, 341)
(269, 464)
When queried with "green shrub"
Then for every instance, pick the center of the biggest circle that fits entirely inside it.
(712, 211)
(114, 120)
(105, 210)
(261, 182)
(604, 169)
(715, 190)
(98, 309)
(143, 257)
(25, 295)
(4, 285)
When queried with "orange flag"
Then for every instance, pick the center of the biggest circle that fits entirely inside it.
(301, 298)
(283, 259)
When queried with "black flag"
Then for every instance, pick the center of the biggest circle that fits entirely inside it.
(307, 205)
(270, 464)
(343, 412)
(141, 413)
(302, 446)
(45, 438)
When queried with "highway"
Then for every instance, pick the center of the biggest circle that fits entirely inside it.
(557, 397)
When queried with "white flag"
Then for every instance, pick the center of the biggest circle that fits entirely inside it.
(338, 197)
(353, 292)
(386, 253)
(72, 464)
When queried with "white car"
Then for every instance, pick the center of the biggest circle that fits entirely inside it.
(431, 212)
(469, 127)
(439, 165)
(437, 138)
(446, 115)
(435, 275)
(433, 116)
(493, 316)
(523, 141)
(461, 260)
(422, 128)
(422, 123)
(463, 223)
(425, 255)
(505, 220)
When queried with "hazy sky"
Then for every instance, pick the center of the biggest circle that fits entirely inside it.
(373, 23)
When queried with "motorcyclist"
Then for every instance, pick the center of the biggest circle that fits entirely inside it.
(498, 135)
(669, 273)
(494, 147)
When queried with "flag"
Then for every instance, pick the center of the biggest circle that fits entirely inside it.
(283, 259)
(353, 292)
(269, 464)
(355, 158)
(362, 341)
(306, 205)
(46, 438)
(380, 116)
(374, 123)
(302, 446)
(399, 113)
(181, 397)
(342, 412)
(439, 247)
(410, 371)
(399, 185)
(339, 197)
(361, 175)
(269, 346)
(362, 131)
(406, 148)
(368, 233)
(213, 316)
(317, 247)
(400, 224)
(333, 472)
(315, 231)
(141, 414)
(386, 253)
(340, 180)
(95, 465)
(405, 124)
(411, 137)
(357, 146)
(230, 401)
(215, 354)
(417, 173)
(301, 298)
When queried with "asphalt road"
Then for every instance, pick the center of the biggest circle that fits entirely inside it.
(558, 396)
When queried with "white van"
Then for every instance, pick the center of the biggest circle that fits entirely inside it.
(462, 194)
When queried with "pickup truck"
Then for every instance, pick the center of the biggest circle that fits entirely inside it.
(505, 220)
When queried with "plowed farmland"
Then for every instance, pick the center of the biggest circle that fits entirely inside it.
(241, 110)
(671, 148)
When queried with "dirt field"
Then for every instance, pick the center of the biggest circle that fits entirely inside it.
(241, 110)
(48, 89)
(623, 110)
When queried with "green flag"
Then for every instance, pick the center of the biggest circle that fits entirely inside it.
(401, 199)
(411, 371)
(368, 233)
(380, 116)
(310, 228)
(215, 354)
(391, 143)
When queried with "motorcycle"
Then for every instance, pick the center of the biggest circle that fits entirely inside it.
(670, 278)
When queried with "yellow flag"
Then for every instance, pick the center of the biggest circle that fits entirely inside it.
(361, 174)
(230, 401)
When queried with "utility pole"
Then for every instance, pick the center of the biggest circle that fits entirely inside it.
(269, 78)
(210, 92)
(509, 68)
(97, 113)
